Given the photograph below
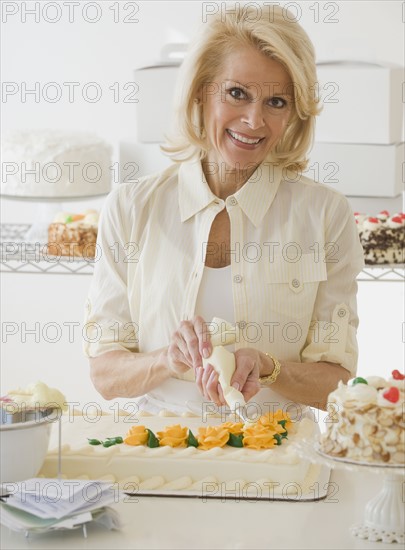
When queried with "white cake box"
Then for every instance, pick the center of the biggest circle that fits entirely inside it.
(362, 103)
(155, 106)
(358, 169)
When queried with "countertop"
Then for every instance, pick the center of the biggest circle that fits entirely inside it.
(170, 522)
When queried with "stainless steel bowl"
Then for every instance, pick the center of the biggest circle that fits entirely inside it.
(11, 415)
(24, 440)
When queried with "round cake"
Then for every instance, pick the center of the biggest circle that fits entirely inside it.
(382, 237)
(366, 420)
(55, 163)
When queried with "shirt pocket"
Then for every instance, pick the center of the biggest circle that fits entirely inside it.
(292, 286)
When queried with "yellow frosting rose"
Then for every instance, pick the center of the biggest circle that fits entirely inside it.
(233, 427)
(212, 436)
(174, 436)
(137, 435)
(272, 419)
(257, 436)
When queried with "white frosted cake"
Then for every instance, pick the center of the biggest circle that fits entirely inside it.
(137, 467)
(55, 163)
(366, 421)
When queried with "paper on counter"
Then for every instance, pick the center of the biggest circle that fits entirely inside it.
(40, 505)
(20, 521)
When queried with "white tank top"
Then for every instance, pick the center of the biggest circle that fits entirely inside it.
(215, 294)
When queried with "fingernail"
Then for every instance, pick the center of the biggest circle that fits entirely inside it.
(206, 353)
(236, 385)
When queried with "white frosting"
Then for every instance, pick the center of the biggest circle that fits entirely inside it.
(362, 393)
(369, 225)
(392, 224)
(360, 217)
(90, 219)
(38, 395)
(382, 215)
(400, 384)
(65, 164)
(382, 402)
(376, 381)
(173, 469)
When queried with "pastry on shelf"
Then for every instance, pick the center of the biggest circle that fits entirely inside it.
(382, 237)
(73, 235)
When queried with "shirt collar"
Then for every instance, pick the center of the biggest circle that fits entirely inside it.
(194, 191)
(254, 198)
(257, 194)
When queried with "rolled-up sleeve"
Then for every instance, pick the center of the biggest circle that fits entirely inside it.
(332, 334)
(108, 324)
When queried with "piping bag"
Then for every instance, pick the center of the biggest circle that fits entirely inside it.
(223, 362)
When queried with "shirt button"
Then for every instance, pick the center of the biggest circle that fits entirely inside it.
(242, 324)
(232, 201)
(295, 283)
(237, 279)
(342, 312)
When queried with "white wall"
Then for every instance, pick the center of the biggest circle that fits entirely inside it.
(107, 52)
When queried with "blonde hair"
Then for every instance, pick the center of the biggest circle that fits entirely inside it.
(277, 35)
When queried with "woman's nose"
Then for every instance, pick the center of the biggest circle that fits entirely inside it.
(253, 115)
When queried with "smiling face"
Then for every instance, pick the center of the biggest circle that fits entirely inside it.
(245, 113)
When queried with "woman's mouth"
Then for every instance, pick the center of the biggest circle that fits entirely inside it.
(243, 141)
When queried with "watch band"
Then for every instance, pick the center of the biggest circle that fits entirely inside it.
(271, 378)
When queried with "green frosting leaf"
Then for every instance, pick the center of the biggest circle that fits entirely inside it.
(278, 438)
(153, 441)
(117, 439)
(108, 443)
(359, 380)
(94, 441)
(191, 440)
(282, 423)
(235, 440)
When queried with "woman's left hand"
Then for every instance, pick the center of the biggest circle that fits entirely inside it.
(245, 378)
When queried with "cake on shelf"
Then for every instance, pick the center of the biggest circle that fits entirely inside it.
(55, 163)
(159, 454)
(382, 237)
(366, 421)
(73, 235)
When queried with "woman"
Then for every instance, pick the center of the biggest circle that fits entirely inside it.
(231, 230)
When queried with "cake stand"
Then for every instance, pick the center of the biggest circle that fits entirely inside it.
(384, 515)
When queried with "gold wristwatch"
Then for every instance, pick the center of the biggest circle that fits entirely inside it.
(271, 378)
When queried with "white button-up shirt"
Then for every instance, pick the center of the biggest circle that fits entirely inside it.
(295, 255)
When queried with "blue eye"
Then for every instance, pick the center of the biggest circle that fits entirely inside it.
(277, 102)
(237, 93)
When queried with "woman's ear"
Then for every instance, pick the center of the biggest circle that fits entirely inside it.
(198, 96)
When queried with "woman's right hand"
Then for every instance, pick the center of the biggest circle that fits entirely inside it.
(189, 344)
